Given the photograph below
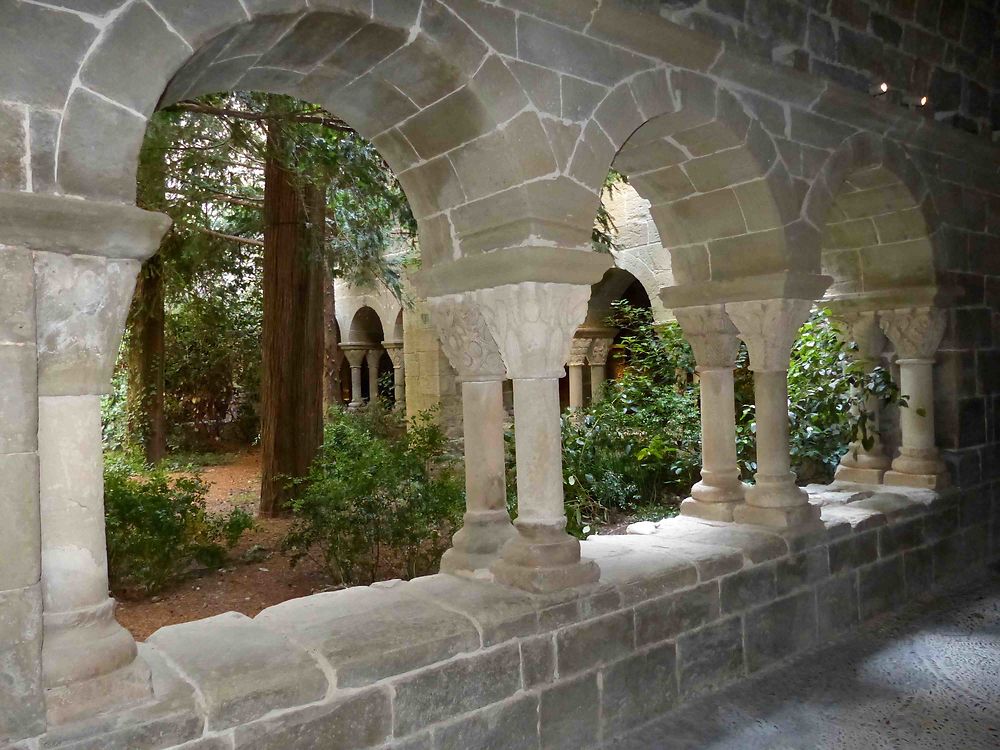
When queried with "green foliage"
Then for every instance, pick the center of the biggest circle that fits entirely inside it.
(379, 500)
(157, 527)
(114, 413)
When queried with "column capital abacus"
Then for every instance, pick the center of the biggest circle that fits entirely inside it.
(712, 335)
(915, 332)
(769, 328)
(533, 324)
(465, 338)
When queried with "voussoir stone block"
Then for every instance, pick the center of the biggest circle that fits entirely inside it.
(500, 613)
(242, 669)
(455, 687)
(350, 722)
(368, 634)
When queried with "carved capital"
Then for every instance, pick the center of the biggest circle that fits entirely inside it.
(373, 355)
(599, 350)
(769, 328)
(712, 335)
(862, 328)
(355, 353)
(534, 324)
(465, 337)
(578, 351)
(915, 331)
(395, 351)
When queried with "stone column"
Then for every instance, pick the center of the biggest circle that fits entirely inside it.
(577, 359)
(916, 333)
(471, 350)
(864, 465)
(22, 704)
(715, 342)
(533, 324)
(395, 351)
(769, 328)
(88, 660)
(355, 354)
(373, 357)
(598, 357)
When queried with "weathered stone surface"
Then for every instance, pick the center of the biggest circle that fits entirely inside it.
(918, 569)
(710, 657)
(241, 669)
(901, 536)
(360, 632)
(538, 660)
(802, 569)
(459, 685)
(880, 586)
(667, 617)
(837, 605)
(17, 296)
(644, 684)
(18, 398)
(853, 551)
(511, 724)
(756, 545)
(20, 565)
(569, 714)
(22, 706)
(780, 629)
(640, 571)
(589, 644)
(13, 144)
(498, 612)
(352, 721)
(748, 588)
(196, 26)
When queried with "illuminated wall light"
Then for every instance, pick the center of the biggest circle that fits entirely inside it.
(878, 89)
(914, 102)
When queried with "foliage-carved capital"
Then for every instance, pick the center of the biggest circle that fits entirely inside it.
(466, 339)
(599, 350)
(534, 324)
(712, 335)
(916, 332)
(862, 327)
(578, 351)
(769, 328)
(395, 351)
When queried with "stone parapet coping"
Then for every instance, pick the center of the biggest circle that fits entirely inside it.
(71, 226)
(447, 662)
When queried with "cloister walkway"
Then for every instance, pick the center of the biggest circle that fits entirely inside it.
(926, 678)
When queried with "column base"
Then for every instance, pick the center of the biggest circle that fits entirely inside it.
(355, 405)
(778, 518)
(83, 700)
(543, 558)
(858, 475)
(708, 511)
(924, 481)
(476, 546)
(776, 491)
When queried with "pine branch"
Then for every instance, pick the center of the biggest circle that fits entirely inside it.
(327, 121)
(231, 237)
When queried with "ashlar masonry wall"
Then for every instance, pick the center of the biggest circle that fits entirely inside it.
(443, 662)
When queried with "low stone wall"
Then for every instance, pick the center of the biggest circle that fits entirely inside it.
(458, 664)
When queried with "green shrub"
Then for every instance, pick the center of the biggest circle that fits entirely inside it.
(158, 528)
(379, 501)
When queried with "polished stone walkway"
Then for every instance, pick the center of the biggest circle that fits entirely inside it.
(928, 678)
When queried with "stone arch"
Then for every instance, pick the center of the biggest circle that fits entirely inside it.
(718, 191)
(874, 218)
(397, 327)
(366, 327)
(434, 96)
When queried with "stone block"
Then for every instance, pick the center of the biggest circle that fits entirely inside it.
(495, 25)
(511, 724)
(498, 612)
(755, 545)
(942, 522)
(837, 605)
(20, 534)
(747, 588)
(643, 571)
(780, 629)
(666, 618)
(918, 571)
(13, 146)
(541, 85)
(951, 558)
(803, 569)
(460, 685)
(590, 644)
(710, 657)
(17, 297)
(349, 722)
(18, 398)
(881, 587)
(435, 187)
(44, 133)
(853, 551)
(22, 705)
(661, 186)
(360, 632)
(46, 82)
(242, 670)
(701, 217)
(538, 660)
(664, 41)
(899, 537)
(458, 118)
(711, 561)
(637, 688)
(569, 714)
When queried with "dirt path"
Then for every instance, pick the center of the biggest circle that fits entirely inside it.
(257, 577)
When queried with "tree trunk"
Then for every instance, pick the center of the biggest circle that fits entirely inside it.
(292, 368)
(146, 421)
(331, 363)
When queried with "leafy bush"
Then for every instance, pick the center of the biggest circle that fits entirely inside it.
(157, 527)
(379, 501)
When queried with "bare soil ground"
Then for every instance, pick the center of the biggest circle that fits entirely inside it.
(257, 576)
